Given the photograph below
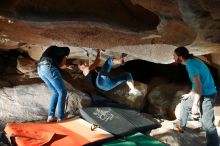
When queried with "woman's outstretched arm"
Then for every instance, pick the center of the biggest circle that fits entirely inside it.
(96, 62)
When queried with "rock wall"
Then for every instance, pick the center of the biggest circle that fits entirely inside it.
(141, 28)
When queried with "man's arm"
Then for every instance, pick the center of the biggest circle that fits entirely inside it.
(96, 62)
(197, 95)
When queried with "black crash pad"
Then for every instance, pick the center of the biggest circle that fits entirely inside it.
(118, 120)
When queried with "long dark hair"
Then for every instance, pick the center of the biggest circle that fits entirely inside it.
(183, 51)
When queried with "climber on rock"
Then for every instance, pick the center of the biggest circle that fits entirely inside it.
(102, 80)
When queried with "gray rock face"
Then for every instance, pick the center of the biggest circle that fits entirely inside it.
(164, 98)
(120, 94)
(31, 102)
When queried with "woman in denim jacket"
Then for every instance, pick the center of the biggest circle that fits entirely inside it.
(52, 60)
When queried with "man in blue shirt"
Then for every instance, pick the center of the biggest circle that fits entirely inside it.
(201, 99)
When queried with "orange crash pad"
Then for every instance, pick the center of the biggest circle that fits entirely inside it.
(74, 132)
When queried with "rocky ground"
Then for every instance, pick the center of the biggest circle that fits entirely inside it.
(193, 136)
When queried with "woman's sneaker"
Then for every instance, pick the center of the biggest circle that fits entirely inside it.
(135, 92)
(59, 120)
(51, 119)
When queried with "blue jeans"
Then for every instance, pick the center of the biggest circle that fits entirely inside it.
(207, 116)
(104, 82)
(52, 77)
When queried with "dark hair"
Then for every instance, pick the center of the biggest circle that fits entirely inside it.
(66, 50)
(183, 51)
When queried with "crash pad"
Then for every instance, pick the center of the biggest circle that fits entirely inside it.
(70, 132)
(137, 139)
(118, 120)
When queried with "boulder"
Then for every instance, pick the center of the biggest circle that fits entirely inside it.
(31, 102)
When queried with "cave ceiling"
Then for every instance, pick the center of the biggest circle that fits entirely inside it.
(144, 29)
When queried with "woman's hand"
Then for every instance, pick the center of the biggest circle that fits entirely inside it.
(63, 63)
(71, 66)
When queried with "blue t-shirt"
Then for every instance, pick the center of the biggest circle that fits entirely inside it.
(196, 67)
